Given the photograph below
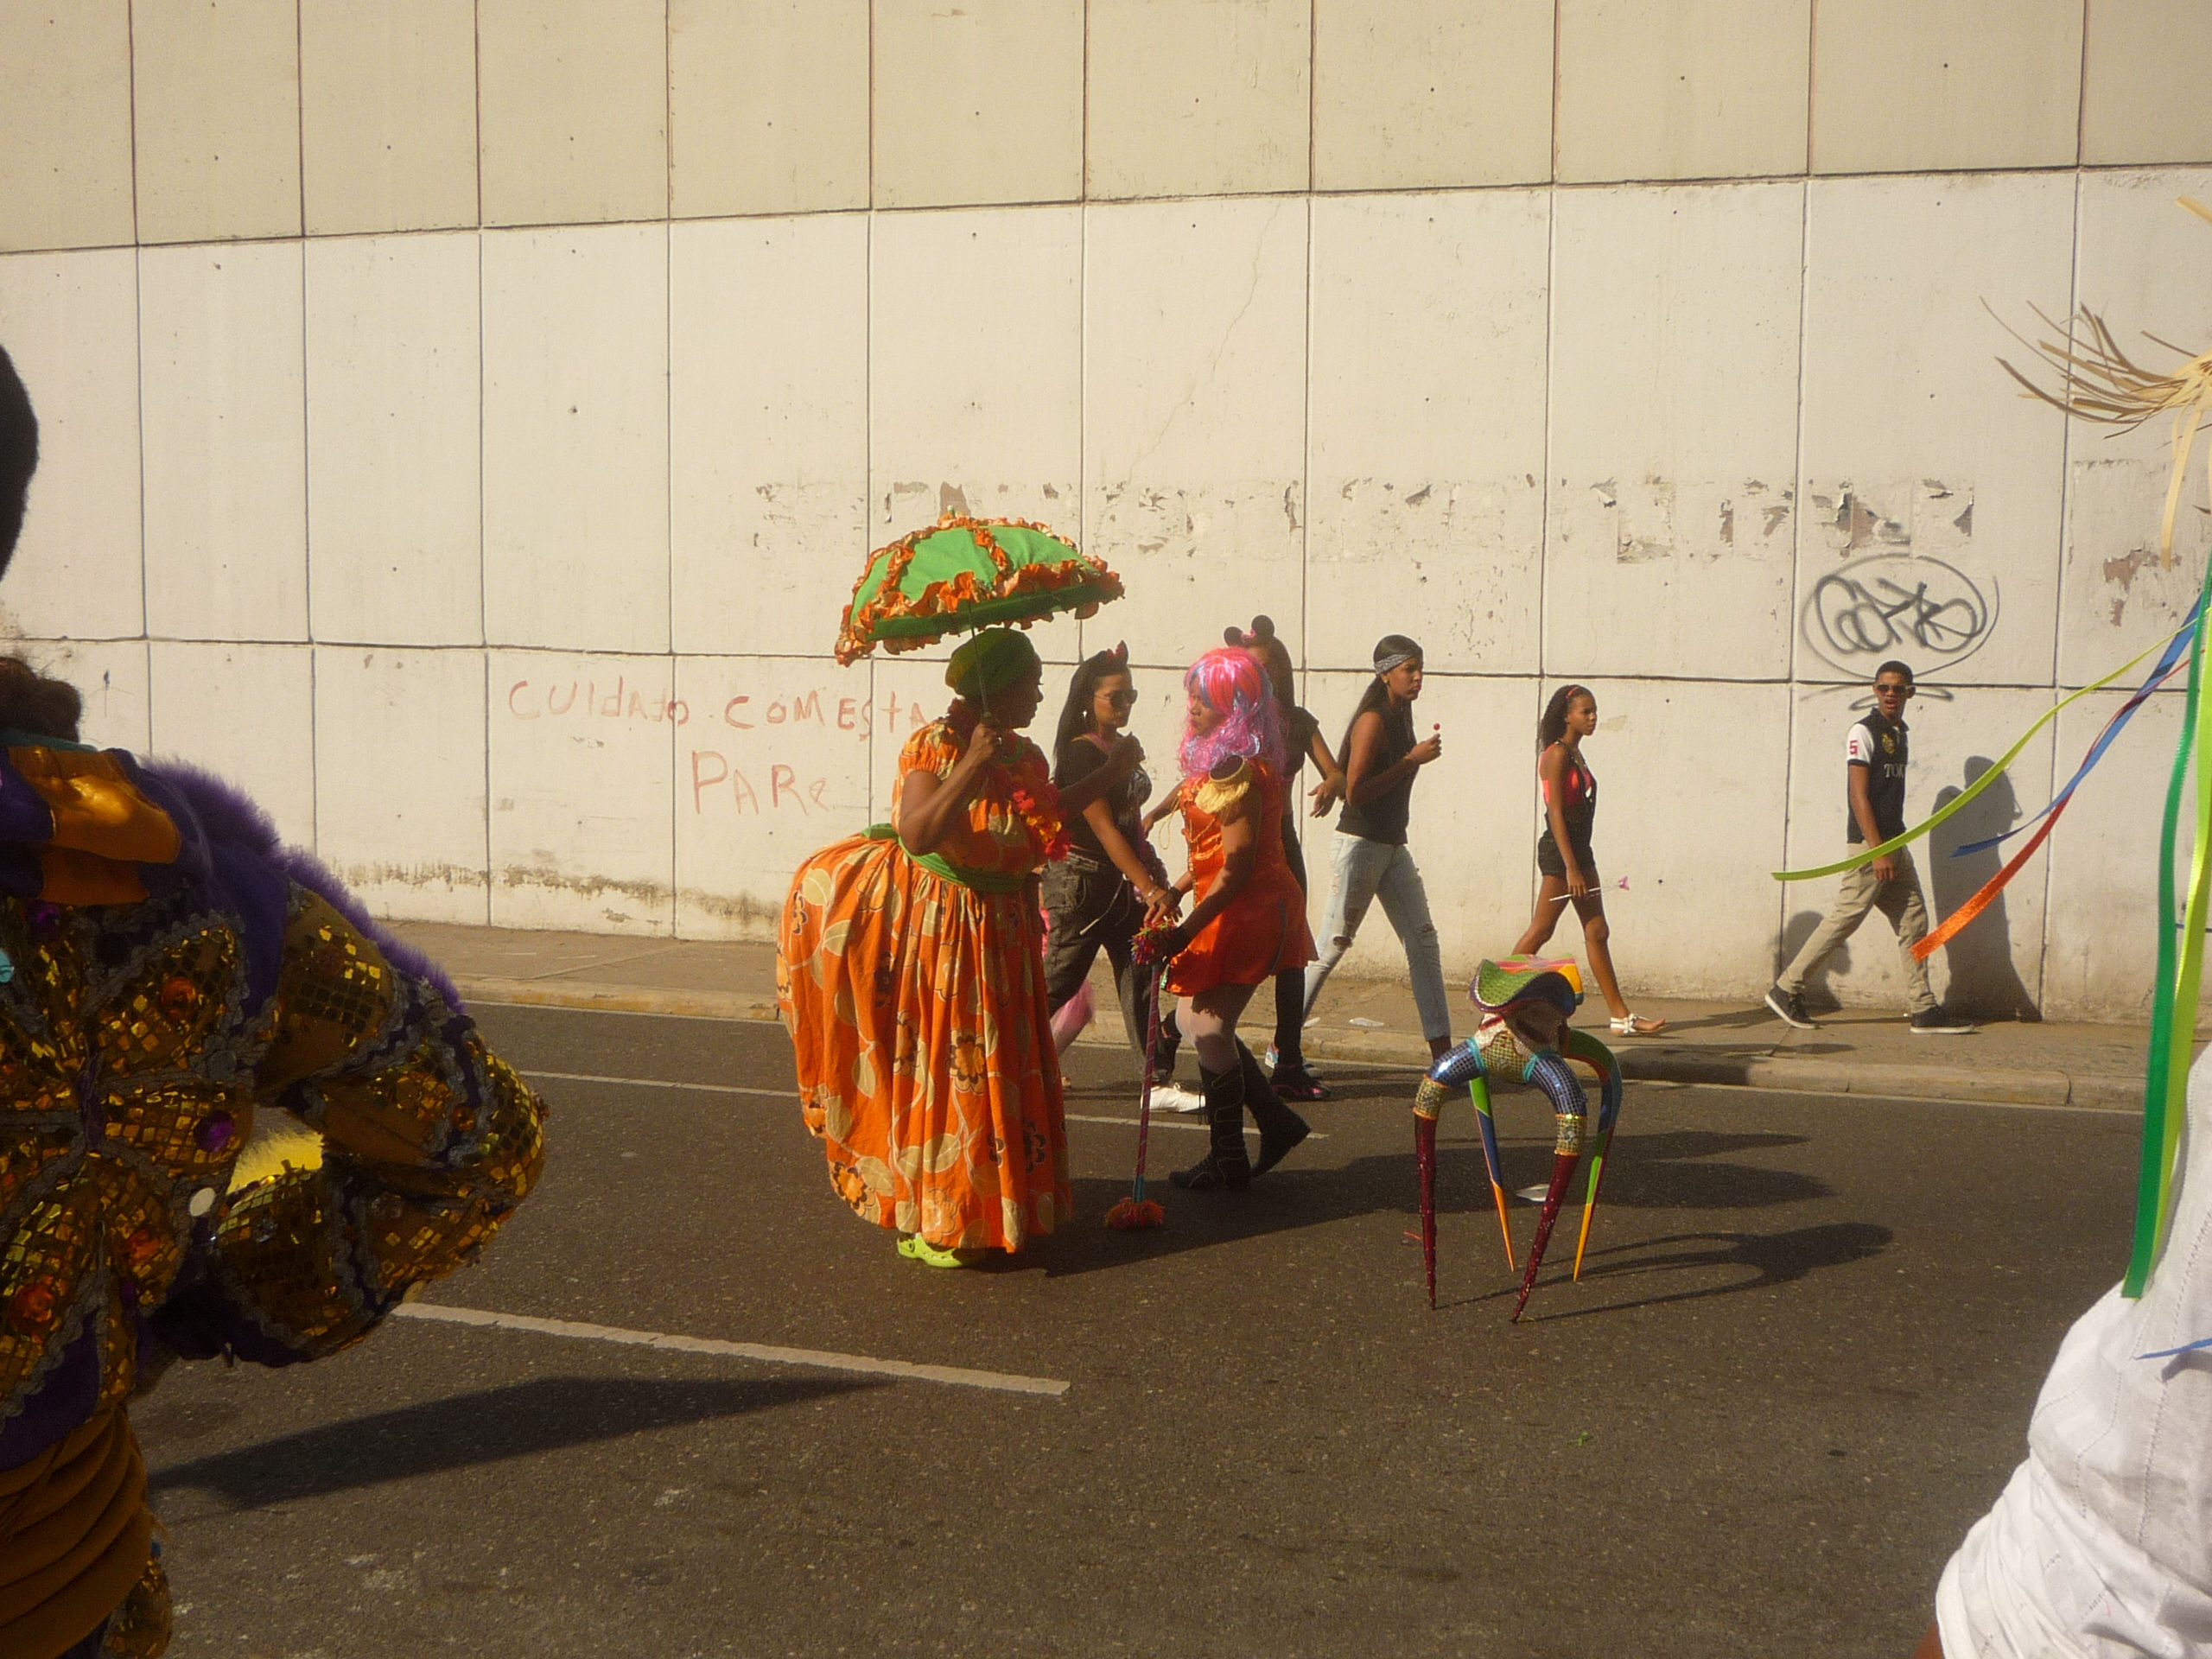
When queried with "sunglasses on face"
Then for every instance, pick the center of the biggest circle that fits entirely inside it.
(1120, 699)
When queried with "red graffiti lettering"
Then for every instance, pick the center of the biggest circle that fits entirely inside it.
(565, 707)
(776, 712)
(741, 792)
(700, 781)
(730, 713)
(808, 708)
(816, 790)
(845, 722)
(779, 780)
(516, 708)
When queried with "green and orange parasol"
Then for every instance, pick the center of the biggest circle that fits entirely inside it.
(961, 573)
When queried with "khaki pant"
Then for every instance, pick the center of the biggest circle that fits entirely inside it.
(1899, 899)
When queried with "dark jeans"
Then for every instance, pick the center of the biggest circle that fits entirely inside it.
(1290, 984)
(1093, 907)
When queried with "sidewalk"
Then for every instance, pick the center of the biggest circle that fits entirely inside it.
(1858, 1051)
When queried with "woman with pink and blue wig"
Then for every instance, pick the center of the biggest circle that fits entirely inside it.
(1249, 922)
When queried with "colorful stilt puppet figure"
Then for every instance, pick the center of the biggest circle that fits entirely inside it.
(1525, 1003)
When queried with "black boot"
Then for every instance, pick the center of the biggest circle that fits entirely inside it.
(1163, 1051)
(1280, 1129)
(1225, 1165)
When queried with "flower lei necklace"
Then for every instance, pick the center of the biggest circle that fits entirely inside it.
(1030, 790)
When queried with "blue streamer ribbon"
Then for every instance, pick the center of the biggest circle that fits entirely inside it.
(2164, 669)
(2186, 1348)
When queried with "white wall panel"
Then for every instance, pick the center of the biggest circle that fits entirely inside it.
(581, 753)
(110, 675)
(981, 102)
(1426, 449)
(2117, 597)
(225, 413)
(1431, 93)
(1900, 85)
(70, 320)
(399, 779)
(245, 713)
(975, 379)
(768, 425)
(771, 762)
(575, 437)
(1919, 452)
(1673, 430)
(768, 106)
(1185, 100)
(1194, 379)
(388, 114)
(572, 110)
(1994, 968)
(65, 125)
(1682, 89)
(394, 497)
(215, 91)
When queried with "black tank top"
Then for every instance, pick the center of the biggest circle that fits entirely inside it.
(1382, 817)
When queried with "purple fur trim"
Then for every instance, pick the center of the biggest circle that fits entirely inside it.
(226, 813)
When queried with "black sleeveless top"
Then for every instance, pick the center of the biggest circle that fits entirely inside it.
(1382, 817)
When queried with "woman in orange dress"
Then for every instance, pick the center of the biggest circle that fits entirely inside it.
(1249, 923)
(909, 972)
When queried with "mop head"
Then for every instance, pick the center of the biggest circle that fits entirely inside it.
(1133, 1215)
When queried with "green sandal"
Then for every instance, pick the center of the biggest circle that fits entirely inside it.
(915, 1247)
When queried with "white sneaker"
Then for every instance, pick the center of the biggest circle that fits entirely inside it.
(1174, 1097)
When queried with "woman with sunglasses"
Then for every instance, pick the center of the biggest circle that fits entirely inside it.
(1096, 896)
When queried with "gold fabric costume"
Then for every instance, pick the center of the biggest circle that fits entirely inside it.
(138, 1042)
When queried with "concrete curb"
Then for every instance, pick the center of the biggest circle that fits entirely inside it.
(1642, 1062)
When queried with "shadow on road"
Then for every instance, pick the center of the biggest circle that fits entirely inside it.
(1672, 1169)
(541, 1415)
(1767, 1259)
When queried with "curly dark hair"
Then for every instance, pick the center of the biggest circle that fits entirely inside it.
(31, 702)
(1552, 726)
(18, 454)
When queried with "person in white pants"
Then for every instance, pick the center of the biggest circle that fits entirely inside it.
(1368, 858)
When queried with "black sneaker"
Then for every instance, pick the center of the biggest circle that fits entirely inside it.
(1937, 1022)
(1790, 1007)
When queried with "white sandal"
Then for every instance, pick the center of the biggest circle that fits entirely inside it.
(1635, 1024)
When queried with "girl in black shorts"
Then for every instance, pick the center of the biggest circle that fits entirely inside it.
(1569, 868)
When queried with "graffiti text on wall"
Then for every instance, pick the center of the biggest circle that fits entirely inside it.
(1928, 612)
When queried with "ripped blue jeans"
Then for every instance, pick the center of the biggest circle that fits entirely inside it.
(1363, 871)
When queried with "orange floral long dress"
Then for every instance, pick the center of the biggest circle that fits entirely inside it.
(915, 999)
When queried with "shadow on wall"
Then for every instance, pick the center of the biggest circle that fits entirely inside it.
(1985, 984)
(1819, 993)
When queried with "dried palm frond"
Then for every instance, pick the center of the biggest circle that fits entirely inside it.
(2101, 382)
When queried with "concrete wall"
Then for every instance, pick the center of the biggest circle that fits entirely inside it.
(464, 421)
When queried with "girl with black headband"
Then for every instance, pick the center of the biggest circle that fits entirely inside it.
(1368, 860)
(1097, 894)
(1564, 859)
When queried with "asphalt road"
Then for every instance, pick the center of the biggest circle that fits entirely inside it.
(1799, 1362)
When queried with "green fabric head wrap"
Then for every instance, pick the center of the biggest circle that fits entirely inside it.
(993, 660)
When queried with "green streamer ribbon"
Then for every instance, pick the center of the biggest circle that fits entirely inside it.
(1965, 798)
(2181, 966)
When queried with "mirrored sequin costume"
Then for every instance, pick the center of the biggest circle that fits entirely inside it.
(170, 972)
(1513, 1042)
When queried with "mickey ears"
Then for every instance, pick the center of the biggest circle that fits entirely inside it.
(1233, 635)
(1263, 627)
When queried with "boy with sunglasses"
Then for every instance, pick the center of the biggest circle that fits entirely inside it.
(1874, 769)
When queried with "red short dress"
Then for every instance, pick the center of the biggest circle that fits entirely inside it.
(1263, 930)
